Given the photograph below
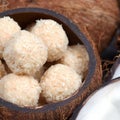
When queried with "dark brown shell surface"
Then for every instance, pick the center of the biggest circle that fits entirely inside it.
(99, 17)
(63, 109)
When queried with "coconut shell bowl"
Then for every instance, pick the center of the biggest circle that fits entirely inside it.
(63, 109)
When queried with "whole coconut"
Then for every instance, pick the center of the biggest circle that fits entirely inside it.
(98, 17)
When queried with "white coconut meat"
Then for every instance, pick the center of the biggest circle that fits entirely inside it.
(8, 27)
(59, 82)
(117, 72)
(103, 105)
(20, 90)
(25, 53)
(53, 36)
(76, 57)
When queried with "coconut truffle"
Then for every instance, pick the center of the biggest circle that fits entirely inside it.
(77, 58)
(20, 90)
(25, 53)
(8, 27)
(2, 70)
(59, 82)
(53, 36)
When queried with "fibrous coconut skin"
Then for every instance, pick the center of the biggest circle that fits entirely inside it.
(25, 53)
(2, 70)
(104, 104)
(20, 90)
(53, 36)
(76, 57)
(8, 27)
(59, 82)
(99, 17)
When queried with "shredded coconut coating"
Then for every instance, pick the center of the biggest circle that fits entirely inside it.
(8, 27)
(2, 70)
(53, 36)
(25, 53)
(59, 82)
(20, 90)
(77, 58)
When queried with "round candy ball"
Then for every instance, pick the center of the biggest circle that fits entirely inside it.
(59, 82)
(53, 36)
(25, 53)
(8, 27)
(20, 90)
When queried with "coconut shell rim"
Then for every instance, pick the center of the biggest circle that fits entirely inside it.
(79, 34)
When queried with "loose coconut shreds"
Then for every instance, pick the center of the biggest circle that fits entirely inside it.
(8, 27)
(25, 53)
(20, 90)
(2, 70)
(59, 82)
(53, 36)
(77, 58)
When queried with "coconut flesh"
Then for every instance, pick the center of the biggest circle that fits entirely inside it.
(116, 69)
(105, 103)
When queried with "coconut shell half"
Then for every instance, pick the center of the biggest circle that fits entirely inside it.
(63, 109)
(105, 100)
(99, 17)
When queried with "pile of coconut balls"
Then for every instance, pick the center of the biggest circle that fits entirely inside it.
(37, 66)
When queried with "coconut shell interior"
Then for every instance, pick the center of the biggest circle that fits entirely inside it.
(63, 109)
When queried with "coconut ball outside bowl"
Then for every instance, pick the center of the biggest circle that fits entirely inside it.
(60, 110)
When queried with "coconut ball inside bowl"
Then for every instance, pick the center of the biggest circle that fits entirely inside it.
(25, 53)
(59, 82)
(76, 56)
(53, 36)
(20, 90)
(8, 27)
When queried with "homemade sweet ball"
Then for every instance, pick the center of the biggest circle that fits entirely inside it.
(77, 58)
(53, 36)
(2, 70)
(59, 82)
(8, 27)
(20, 90)
(25, 53)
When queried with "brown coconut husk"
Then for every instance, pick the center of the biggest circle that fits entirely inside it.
(100, 17)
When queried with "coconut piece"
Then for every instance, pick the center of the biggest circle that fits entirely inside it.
(20, 90)
(77, 58)
(117, 72)
(25, 53)
(53, 36)
(2, 70)
(103, 104)
(8, 27)
(57, 81)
